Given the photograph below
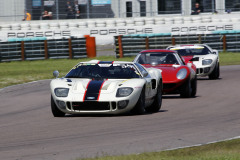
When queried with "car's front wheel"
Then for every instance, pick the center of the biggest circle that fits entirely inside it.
(194, 86)
(156, 106)
(55, 111)
(186, 89)
(140, 106)
(215, 73)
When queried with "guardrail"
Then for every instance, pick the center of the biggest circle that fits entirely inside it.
(131, 45)
(18, 49)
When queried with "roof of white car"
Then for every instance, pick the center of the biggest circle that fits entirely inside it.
(187, 46)
(106, 62)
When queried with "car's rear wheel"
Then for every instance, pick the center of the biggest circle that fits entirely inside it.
(215, 73)
(140, 106)
(194, 86)
(156, 106)
(186, 90)
(55, 111)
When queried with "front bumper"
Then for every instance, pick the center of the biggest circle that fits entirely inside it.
(107, 103)
(173, 87)
(98, 107)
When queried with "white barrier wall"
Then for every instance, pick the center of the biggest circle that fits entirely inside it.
(105, 29)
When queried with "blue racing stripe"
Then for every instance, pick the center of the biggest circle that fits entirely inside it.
(105, 62)
(93, 90)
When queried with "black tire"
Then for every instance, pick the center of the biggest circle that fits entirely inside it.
(140, 106)
(215, 73)
(55, 111)
(194, 87)
(156, 106)
(186, 90)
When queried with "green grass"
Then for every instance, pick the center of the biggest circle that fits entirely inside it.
(227, 150)
(12, 73)
(229, 58)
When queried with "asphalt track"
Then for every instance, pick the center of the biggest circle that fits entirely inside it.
(29, 131)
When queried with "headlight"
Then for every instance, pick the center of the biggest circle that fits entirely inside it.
(182, 73)
(206, 62)
(61, 104)
(124, 92)
(61, 92)
(122, 104)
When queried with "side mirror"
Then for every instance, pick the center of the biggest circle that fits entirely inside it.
(56, 74)
(194, 59)
(215, 52)
(145, 74)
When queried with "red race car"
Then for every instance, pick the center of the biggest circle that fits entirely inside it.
(178, 77)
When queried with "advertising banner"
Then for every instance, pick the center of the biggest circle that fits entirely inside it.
(101, 2)
(82, 2)
(36, 3)
(104, 35)
(48, 3)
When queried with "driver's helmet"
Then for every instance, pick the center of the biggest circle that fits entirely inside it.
(170, 59)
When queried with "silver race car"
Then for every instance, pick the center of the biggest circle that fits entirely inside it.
(205, 58)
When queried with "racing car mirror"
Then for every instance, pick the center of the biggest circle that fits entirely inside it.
(145, 73)
(214, 52)
(56, 74)
(194, 59)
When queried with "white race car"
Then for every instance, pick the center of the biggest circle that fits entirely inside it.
(107, 87)
(205, 58)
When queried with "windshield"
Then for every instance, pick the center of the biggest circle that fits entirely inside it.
(104, 71)
(157, 58)
(192, 51)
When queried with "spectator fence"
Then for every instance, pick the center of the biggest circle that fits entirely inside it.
(131, 45)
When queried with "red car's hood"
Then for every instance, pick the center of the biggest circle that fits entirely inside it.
(169, 72)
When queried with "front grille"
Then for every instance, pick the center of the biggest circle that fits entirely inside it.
(91, 106)
(200, 71)
(69, 105)
(169, 85)
(114, 105)
(203, 70)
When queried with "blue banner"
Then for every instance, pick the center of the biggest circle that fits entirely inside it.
(36, 3)
(101, 2)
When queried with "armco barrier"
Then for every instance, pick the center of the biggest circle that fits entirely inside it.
(41, 48)
(131, 45)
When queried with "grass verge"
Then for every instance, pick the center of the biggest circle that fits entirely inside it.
(12, 73)
(227, 150)
(229, 58)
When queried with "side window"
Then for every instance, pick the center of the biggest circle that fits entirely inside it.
(181, 58)
(205, 50)
(141, 59)
(143, 8)
(129, 10)
(141, 69)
